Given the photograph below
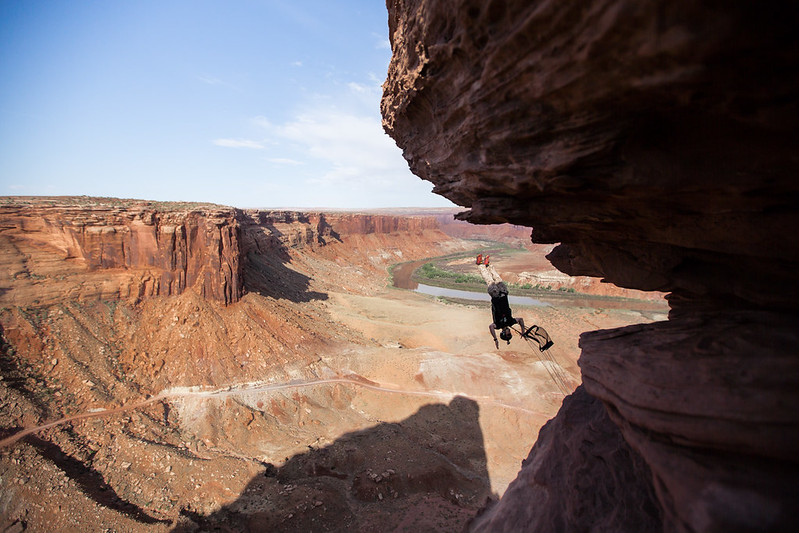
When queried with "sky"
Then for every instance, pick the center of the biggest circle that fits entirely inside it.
(247, 103)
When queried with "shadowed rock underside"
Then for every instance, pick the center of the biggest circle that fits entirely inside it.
(657, 141)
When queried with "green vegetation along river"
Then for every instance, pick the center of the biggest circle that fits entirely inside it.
(433, 276)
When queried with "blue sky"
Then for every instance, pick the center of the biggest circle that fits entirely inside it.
(269, 103)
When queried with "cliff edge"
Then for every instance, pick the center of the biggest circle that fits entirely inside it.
(53, 248)
(657, 142)
(83, 248)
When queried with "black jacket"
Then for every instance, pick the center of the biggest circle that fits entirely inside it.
(500, 309)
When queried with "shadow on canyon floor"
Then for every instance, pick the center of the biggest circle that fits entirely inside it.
(427, 472)
(266, 257)
(268, 275)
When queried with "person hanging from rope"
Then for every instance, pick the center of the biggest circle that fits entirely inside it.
(501, 312)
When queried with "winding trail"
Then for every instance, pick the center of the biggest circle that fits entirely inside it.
(236, 390)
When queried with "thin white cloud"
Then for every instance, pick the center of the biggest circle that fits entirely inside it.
(353, 146)
(334, 149)
(358, 87)
(214, 81)
(344, 139)
(284, 161)
(262, 122)
(296, 64)
(238, 143)
(210, 80)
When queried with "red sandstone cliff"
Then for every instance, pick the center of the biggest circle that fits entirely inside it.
(87, 248)
(55, 249)
(368, 240)
(657, 141)
(294, 229)
(80, 335)
(83, 283)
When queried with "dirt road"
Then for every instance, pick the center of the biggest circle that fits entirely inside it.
(249, 388)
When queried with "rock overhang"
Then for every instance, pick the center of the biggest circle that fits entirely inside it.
(666, 128)
(657, 142)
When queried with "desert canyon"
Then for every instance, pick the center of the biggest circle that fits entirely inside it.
(207, 367)
(197, 367)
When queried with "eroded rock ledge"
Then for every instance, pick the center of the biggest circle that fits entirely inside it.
(107, 248)
(657, 142)
(52, 248)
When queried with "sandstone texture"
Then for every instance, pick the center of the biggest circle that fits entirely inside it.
(619, 481)
(657, 142)
(52, 248)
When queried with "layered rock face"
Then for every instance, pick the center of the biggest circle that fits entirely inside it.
(53, 250)
(294, 229)
(270, 238)
(107, 249)
(657, 142)
(581, 434)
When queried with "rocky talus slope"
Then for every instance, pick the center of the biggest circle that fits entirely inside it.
(105, 265)
(657, 141)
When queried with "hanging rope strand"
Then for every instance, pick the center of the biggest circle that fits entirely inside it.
(553, 368)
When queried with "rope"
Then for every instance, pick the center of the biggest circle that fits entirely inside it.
(554, 369)
(544, 356)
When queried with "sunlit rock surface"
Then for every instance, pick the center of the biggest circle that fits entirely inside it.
(51, 248)
(657, 142)
(59, 248)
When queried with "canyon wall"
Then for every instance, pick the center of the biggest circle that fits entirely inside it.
(657, 142)
(52, 250)
(72, 248)
(294, 229)
(508, 233)
(334, 245)
(102, 294)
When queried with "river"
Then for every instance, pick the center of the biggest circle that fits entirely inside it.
(403, 273)
(403, 280)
